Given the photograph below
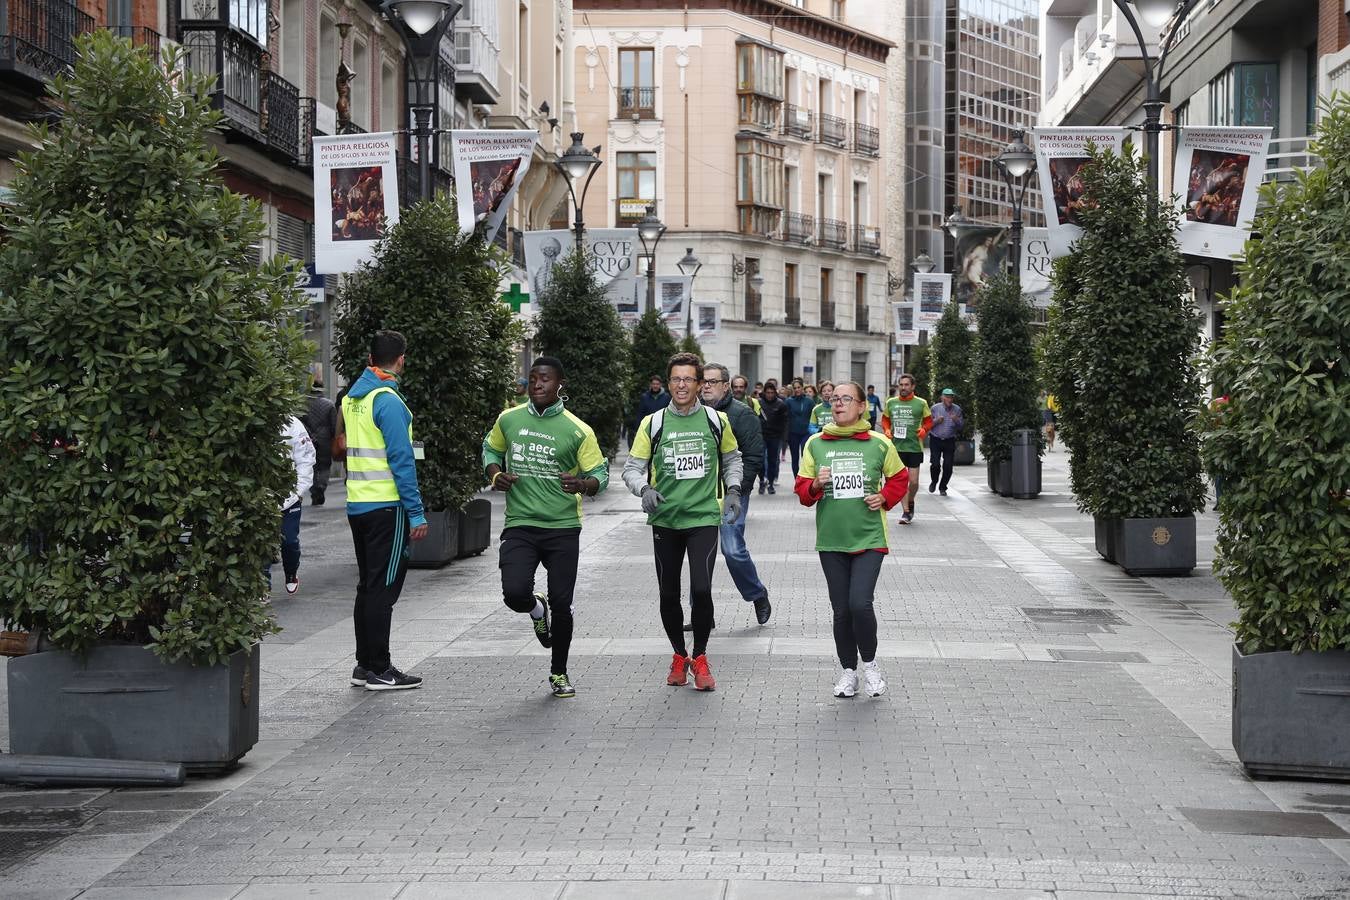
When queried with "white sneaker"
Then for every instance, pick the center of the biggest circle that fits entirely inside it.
(873, 683)
(847, 685)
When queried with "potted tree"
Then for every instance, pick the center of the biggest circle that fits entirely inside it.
(1278, 447)
(439, 287)
(952, 352)
(1005, 389)
(150, 366)
(1123, 340)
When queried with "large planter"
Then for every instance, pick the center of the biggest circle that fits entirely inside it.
(475, 527)
(440, 546)
(1104, 531)
(1291, 714)
(1024, 476)
(1156, 546)
(999, 475)
(965, 454)
(123, 702)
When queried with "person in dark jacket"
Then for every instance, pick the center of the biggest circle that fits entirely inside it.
(800, 407)
(320, 420)
(774, 413)
(649, 401)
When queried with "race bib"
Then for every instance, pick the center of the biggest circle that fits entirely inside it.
(847, 479)
(690, 466)
(901, 432)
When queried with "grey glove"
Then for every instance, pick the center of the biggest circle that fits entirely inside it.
(731, 508)
(651, 499)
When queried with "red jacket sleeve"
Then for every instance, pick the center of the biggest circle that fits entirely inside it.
(926, 427)
(894, 490)
(806, 490)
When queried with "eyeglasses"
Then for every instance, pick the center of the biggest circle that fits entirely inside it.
(714, 381)
(683, 380)
(838, 399)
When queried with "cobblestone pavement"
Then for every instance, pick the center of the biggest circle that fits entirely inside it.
(1053, 729)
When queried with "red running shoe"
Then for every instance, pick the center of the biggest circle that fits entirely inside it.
(679, 671)
(703, 680)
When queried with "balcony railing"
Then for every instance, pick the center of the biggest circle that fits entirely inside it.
(1288, 156)
(754, 306)
(832, 130)
(826, 313)
(308, 128)
(637, 102)
(476, 64)
(139, 36)
(866, 240)
(792, 309)
(37, 37)
(409, 183)
(797, 122)
(281, 114)
(860, 318)
(833, 233)
(798, 227)
(866, 140)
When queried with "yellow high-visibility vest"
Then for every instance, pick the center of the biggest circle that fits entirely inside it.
(369, 478)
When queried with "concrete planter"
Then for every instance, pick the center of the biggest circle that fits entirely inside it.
(1156, 546)
(440, 546)
(475, 527)
(1291, 714)
(999, 475)
(965, 454)
(1104, 530)
(123, 702)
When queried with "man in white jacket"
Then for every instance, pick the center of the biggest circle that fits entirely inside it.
(302, 455)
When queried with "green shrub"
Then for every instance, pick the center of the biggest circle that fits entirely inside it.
(952, 352)
(579, 326)
(1123, 338)
(653, 346)
(921, 368)
(1280, 447)
(1005, 368)
(440, 288)
(150, 365)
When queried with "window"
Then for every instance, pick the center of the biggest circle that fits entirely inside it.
(250, 17)
(824, 365)
(750, 355)
(361, 84)
(637, 82)
(826, 308)
(759, 85)
(637, 186)
(753, 304)
(328, 59)
(860, 318)
(293, 42)
(388, 96)
(858, 368)
(1246, 94)
(759, 184)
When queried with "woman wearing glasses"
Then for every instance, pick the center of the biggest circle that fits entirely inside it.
(852, 475)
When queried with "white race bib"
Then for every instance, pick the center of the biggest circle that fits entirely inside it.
(847, 479)
(690, 466)
(901, 432)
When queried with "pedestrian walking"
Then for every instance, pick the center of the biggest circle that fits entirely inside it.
(739, 390)
(545, 460)
(774, 414)
(301, 449)
(682, 458)
(873, 406)
(384, 506)
(823, 415)
(800, 406)
(906, 420)
(1049, 418)
(948, 420)
(320, 421)
(852, 475)
(750, 440)
(648, 402)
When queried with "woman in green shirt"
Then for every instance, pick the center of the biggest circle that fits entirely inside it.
(852, 475)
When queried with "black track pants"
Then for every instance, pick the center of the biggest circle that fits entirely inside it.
(381, 540)
(522, 550)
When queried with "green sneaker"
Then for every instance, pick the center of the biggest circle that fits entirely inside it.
(541, 629)
(562, 688)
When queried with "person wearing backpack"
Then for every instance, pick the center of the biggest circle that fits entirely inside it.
(686, 467)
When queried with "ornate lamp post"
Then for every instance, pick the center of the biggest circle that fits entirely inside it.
(578, 165)
(690, 266)
(1016, 160)
(923, 263)
(650, 231)
(421, 24)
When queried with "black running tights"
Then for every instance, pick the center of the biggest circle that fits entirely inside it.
(671, 546)
(852, 580)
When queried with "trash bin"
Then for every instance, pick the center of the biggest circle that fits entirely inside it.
(1026, 465)
(475, 527)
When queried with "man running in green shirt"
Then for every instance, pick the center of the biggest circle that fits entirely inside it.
(545, 460)
(680, 460)
(905, 421)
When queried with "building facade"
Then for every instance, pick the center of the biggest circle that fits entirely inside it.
(757, 136)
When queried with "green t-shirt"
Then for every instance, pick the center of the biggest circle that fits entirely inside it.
(822, 415)
(903, 421)
(844, 524)
(687, 470)
(539, 448)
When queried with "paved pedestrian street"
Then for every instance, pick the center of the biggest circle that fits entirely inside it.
(1052, 729)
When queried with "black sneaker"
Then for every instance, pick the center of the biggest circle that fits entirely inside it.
(541, 629)
(561, 686)
(763, 610)
(942, 493)
(761, 487)
(391, 679)
(359, 676)
(771, 488)
(932, 486)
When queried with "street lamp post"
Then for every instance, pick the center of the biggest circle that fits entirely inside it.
(421, 24)
(690, 266)
(650, 231)
(1016, 160)
(923, 264)
(578, 165)
(1155, 13)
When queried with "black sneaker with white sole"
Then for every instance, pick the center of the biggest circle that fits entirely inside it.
(541, 625)
(391, 679)
(359, 676)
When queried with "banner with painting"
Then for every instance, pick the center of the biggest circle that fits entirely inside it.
(932, 291)
(355, 198)
(707, 321)
(903, 324)
(981, 253)
(613, 256)
(1218, 176)
(1061, 154)
(489, 167)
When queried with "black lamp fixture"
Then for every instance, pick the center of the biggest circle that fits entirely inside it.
(1014, 163)
(738, 267)
(689, 265)
(650, 230)
(421, 24)
(578, 166)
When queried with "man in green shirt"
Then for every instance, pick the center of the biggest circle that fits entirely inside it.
(823, 414)
(906, 421)
(545, 460)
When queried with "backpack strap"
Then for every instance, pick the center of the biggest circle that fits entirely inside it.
(657, 422)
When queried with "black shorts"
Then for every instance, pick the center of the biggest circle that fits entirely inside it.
(912, 460)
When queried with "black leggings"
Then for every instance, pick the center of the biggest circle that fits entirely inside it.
(521, 551)
(852, 580)
(671, 545)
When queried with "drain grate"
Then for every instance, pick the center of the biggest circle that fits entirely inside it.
(1266, 823)
(1096, 656)
(25, 819)
(1074, 614)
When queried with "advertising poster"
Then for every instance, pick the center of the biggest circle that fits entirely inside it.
(931, 293)
(489, 166)
(1218, 174)
(355, 198)
(672, 294)
(613, 254)
(1037, 265)
(903, 325)
(981, 252)
(1061, 154)
(707, 321)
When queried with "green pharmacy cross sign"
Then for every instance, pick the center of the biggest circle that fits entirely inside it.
(515, 298)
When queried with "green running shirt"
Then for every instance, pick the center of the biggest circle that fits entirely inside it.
(687, 470)
(904, 420)
(822, 415)
(844, 524)
(539, 448)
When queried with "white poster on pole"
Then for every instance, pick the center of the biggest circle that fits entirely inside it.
(612, 253)
(672, 299)
(1037, 265)
(355, 198)
(707, 321)
(489, 167)
(1218, 177)
(903, 325)
(932, 291)
(1061, 154)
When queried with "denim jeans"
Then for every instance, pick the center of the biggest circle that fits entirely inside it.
(739, 563)
(290, 543)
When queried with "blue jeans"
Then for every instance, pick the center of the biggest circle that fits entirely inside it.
(739, 563)
(290, 543)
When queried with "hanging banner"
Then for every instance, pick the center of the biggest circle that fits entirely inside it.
(707, 321)
(903, 326)
(673, 293)
(931, 293)
(613, 256)
(1037, 265)
(1218, 176)
(981, 253)
(355, 198)
(1061, 154)
(489, 166)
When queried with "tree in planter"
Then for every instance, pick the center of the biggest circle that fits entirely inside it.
(690, 344)
(1005, 368)
(579, 326)
(1279, 445)
(920, 367)
(952, 352)
(653, 346)
(150, 366)
(440, 288)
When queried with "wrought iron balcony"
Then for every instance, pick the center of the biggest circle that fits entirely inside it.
(139, 36)
(798, 227)
(37, 37)
(833, 234)
(860, 317)
(797, 122)
(866, 239)
(832, 130)
(636, 102)
(826, 313)
(409, 182)
(866, 140)
(754, 306)
(308, 112)
(281, 114)
(792, 309)
(476, 62)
